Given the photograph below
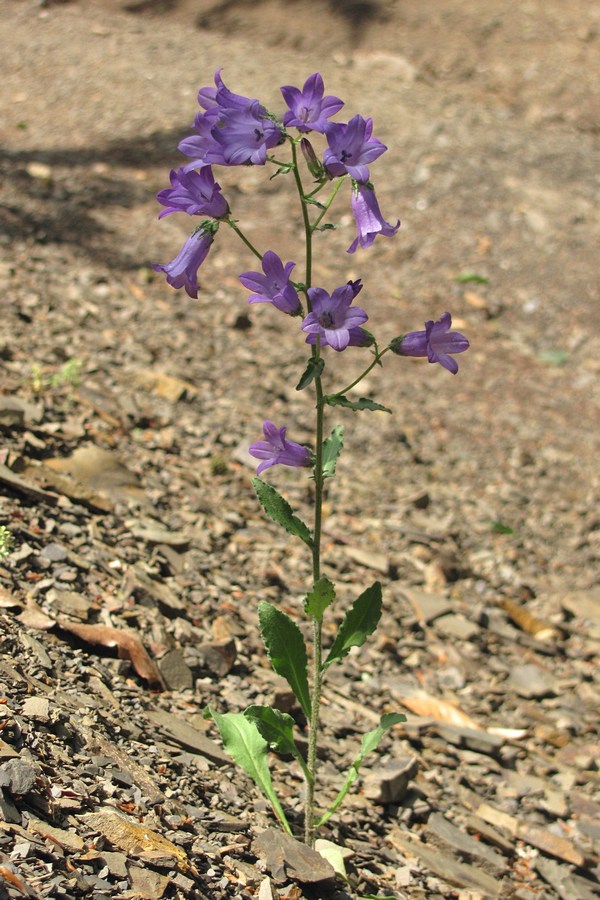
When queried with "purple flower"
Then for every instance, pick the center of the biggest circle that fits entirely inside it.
(274, 286)
(233, 130)
(369, 221)
(332, 317)
(276, 450)
(245, 135)
(308, 108)
(183, 270)
(437, 342)
(202, 146)
(195, 193)
(351, 147)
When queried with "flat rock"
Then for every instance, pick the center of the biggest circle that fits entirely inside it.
(286, 858)
(444, 834)
(176, 674)
(531, 681)
(189, 737)
(17, 776)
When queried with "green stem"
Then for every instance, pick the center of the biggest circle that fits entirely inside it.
(356, 381)
(328, 203)
(243, 237)
(317, 654)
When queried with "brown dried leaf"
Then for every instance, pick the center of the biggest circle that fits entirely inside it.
(134, 838)
(129, 644)
(541, 631)
(13, 879)
(423, 704)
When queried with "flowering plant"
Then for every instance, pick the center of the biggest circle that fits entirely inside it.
(233, 130)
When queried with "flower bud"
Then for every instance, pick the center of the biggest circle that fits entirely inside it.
(315, 166)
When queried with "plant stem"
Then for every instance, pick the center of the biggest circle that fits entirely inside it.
(243, 237)
(356, 381)
(317, 653)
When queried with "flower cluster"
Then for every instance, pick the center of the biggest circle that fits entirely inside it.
(233, 130)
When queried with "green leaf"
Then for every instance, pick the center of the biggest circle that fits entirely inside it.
(359, 622)
(280, 510)
(501, 528)
(356, 405)
(554, 357)
(277, 728)
(247, 747)
(314, 367)
(321, 596)
(287, 650)
(332, 447)
(368, 744)
(471, 278)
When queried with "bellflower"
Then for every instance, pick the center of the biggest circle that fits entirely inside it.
(274, 286)
(195, 193)
(308, 108)
(332, 317)
(277, 450)
(437, 342)
(245, 135)
(183, 270)
(234, 130)
(351, 148)
(368, 218)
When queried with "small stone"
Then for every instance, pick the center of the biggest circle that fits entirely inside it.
(531, 681)
(176, 673)
(54, 552)
(36, 708)
(17, 775)
(389, 783)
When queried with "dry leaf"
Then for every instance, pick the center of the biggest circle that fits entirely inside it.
(134, 838)
(129, 644)
(11, 878)
(425, 705)
(541, 631)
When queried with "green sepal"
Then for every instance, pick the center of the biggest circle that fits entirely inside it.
(356, 405)
(314, 368)
(332, 447)
(368, 744)
(321, 596)
(247, 747)
(359, 622)
(278, 509)
(287, 651)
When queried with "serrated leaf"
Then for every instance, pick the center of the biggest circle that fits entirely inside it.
(314, 368)
(332, 447)
(321, 596)
(356, 405)
(359, 622)
(368, 744)
(471, 278)
(278, 509)
(287, 651)
(247, 747)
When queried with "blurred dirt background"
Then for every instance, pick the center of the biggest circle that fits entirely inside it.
(126, 409)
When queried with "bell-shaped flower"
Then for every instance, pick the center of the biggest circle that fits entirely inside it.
(351, 148)
(274, 286)
(277, 450)
(233, 130)
(195, 193)
(308, 109)
(332, 317)
(182, 272)
(368, 218)
(436, 342)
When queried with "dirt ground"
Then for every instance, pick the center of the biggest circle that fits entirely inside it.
(481, 491)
